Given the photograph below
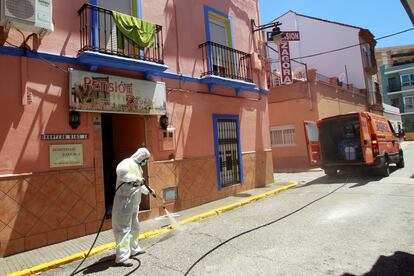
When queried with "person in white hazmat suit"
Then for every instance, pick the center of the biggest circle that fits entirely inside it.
(125, 224)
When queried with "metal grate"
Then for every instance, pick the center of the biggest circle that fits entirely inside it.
(220, 60)
(228, 152)
(98, 33)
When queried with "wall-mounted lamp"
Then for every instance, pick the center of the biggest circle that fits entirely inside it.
(74, 119)
(164, 121)
(276, 35)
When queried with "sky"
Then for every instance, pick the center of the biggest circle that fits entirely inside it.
(381, 17)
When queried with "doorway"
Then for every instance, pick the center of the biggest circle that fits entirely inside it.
(122, 135)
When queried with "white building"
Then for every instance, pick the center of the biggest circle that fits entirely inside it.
(354, 65)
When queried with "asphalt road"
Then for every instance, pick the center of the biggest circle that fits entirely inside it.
(349, 225)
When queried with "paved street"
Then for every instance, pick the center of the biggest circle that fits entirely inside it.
(351, 224)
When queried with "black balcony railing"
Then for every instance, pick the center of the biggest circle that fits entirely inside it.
(223, 61)
(98, 33)
(394, 88)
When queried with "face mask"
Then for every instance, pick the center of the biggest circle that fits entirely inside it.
(144, 162)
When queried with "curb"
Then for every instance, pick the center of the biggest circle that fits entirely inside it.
(150, 234)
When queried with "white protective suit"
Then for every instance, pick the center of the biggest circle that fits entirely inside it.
(125, 224)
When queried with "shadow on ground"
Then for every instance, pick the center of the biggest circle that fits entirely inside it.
(242, 195)
(360, 177)
(400, 263)
(107, 262)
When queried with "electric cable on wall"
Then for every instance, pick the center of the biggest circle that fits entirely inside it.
(355, 45)
(347, 47)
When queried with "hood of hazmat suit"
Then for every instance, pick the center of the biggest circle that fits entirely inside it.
(140, 155)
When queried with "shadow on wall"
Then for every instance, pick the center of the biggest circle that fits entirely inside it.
(174, 10)
(18, 124)
(43, 208)
(400, 263)
(193, 173)
(260, 167)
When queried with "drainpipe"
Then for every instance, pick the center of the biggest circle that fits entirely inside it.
(176, 38)
(309, 89)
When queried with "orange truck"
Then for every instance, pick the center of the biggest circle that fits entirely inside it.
(352, 140)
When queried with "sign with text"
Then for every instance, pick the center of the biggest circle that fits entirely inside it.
(93, 92)
(290, 36)
(66, 155)
(75, 136)
(286, 36)
(285, 62)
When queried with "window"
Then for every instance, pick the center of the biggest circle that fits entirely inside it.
(409, 102)
(228, 152)
(393, 84)
(395, 102)
(219, 30)
(407, 80)
(281, 136)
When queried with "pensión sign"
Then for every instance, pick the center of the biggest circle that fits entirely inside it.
(286, 67)
(291, 36)
(103, 93)
(284, 52)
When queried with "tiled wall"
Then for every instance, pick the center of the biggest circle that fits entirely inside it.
(196, 179)
(43, 209)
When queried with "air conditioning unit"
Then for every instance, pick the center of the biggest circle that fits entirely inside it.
(28, 15)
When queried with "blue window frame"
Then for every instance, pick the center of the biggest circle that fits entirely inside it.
(229, 163)
(226, 20)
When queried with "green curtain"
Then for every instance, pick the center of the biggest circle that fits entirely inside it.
(142, 33)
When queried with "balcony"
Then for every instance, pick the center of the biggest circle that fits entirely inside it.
(394, 88)
(102, 44)
(226, 66)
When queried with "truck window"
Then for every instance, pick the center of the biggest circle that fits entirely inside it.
(392, 129)
(312, 132)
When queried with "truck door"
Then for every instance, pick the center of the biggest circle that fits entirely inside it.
(312, 143)
(366, 144)
(393, 137)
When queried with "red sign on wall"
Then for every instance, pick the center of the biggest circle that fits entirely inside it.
(285, 62)
(291, 36)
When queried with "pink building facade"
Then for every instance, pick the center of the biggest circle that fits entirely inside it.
(202, 74)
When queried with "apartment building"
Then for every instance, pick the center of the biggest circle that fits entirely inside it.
(396, 77)
(82, 89)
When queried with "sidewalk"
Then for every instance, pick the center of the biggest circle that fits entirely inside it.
(45, 258)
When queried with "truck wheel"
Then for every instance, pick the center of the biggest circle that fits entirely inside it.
(400, 163)
(385, 169)
(331, 172)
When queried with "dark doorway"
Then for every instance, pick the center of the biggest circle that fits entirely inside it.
(122, 135)
(109, 165)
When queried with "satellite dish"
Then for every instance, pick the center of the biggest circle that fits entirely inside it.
(342, 77)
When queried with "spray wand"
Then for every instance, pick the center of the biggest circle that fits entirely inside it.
(151, 191)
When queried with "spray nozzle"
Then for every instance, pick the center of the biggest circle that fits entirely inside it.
(149, 189)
